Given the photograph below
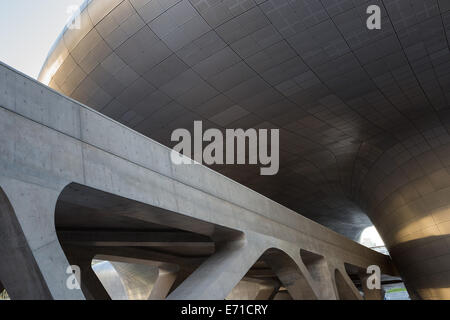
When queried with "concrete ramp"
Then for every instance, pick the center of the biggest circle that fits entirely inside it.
(76, 185)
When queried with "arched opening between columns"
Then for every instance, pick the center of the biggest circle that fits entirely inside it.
(274, 276)
(93, 224)
(259, 283)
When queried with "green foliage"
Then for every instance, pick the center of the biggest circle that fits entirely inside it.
(396, 290)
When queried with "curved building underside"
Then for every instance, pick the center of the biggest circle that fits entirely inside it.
(364, 115)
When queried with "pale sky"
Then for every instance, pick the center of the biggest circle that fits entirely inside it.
(370, 237)
(28, 29)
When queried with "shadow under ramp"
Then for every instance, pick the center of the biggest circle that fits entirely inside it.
(142, 245)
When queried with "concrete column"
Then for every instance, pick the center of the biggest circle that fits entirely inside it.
(163, 284)
(290, 275)
(370, 294)
(32, 263)
(219, 274)
(91, 285)
(182, 275)
(323, 276)
(345, 287)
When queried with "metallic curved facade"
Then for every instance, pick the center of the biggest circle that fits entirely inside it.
(125, 281)
(363, 114)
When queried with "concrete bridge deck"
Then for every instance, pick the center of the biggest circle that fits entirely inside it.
(76, 185)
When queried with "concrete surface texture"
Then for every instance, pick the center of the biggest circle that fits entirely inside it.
(77, 186)
(363, 114)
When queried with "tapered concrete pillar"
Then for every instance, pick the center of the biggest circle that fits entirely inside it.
(163, 284)
(91, 285)
(218, 275)
(32, 263)
(345, 287)
(322, 273)
(182, 275)
(290, 275)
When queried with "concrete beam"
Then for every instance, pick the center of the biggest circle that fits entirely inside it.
(133, 239)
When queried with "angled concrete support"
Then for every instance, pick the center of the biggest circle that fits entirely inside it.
(18, 266)
(91, 285)
(322, 273)
(182, 275)
(220, 273)
(346, 290)
(326, 287)
(290, 275)
(32, 263)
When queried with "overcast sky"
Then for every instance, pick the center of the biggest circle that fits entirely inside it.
(28, 29)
